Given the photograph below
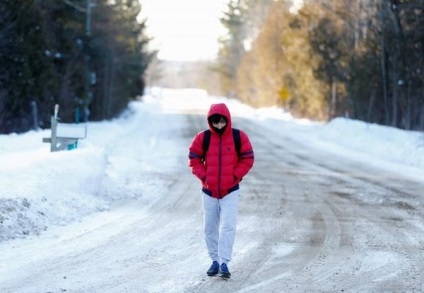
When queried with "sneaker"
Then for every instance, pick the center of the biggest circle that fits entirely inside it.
(213, 270)
(225, 273)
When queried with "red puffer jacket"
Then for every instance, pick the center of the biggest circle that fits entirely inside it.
(222, 169)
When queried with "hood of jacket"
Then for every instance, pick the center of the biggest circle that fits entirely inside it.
(220, 109)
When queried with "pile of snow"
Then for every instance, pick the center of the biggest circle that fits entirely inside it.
(39, 189)
(388, 143)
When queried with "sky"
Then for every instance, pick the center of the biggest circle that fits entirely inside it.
(184, 30)
(40, 189)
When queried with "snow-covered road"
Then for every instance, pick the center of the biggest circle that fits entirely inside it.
(310, 220)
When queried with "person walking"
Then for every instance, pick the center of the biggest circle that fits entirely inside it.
(220, 157)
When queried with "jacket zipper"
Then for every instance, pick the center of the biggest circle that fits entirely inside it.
(219, 166)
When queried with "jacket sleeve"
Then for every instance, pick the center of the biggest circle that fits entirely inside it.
(246, 158)
(195, 157)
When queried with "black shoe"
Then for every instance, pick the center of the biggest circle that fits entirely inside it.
(225, 273)
(213, 270)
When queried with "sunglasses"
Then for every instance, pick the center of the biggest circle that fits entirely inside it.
(218, 120)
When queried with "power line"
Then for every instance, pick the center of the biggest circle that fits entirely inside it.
(77, 7)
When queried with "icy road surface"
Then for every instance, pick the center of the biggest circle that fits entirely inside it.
(309, 221)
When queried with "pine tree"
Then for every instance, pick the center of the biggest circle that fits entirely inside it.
(48, 57)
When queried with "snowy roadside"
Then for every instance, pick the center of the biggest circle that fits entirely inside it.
(39, 189)
(377, 145)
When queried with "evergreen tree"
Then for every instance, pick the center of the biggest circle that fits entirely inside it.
(50, 49)
(118, 56)
(232, 48)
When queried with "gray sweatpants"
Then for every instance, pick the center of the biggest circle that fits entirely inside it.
(220, 219)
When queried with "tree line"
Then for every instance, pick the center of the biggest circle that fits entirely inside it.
(361, 59)
(88, 56)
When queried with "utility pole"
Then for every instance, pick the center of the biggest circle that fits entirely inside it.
(86, 110)
(90, 77)
(87, 12)
(88, 18)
